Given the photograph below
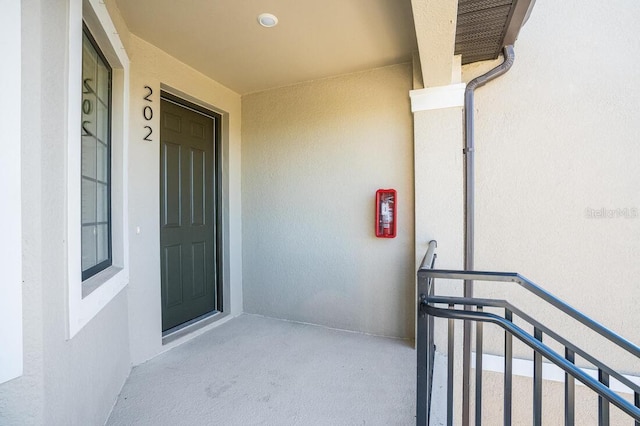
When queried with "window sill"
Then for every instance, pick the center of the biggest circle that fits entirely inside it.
(93, 295)
(102, 277)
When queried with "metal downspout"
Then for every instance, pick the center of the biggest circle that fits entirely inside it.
(469, 208)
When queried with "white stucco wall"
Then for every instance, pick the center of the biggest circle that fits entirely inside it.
(65, 381)
(557, 136)
(99, 352)
(15, 408)
(10, 185)
(152, 67)
(313, 156)
(76, 381)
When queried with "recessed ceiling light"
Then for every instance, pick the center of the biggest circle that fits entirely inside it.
(267, 20)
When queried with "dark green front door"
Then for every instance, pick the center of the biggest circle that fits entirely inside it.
(187, 214)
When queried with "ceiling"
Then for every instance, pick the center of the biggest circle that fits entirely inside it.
(314, 39)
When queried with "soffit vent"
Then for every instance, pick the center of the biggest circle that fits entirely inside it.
(485, 26)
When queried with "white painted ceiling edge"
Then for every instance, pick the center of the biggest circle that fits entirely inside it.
(313, 39)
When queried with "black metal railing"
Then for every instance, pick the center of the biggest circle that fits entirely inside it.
(472, 310)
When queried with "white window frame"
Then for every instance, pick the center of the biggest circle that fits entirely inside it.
(86, 299)
(11, 356)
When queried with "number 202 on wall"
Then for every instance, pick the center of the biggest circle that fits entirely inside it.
(147, 113)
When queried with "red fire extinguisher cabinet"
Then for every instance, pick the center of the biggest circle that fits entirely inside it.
(386, 213)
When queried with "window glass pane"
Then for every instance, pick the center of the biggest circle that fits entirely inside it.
(89, 157)
(89, 214)
(103, 83)
(89, 81)
(89, 64)
(102, 122)
(88, 247)
(101, 162)
(102, 245)
(102, 204)
(89, 114)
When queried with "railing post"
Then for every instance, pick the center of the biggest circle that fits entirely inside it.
(508, 370)
(537, 381)
(424, 334)
(423, 354)
(466, 362)
(431, 347)
(479, 370)
(569, 391)
(451, 333)
(603, 404)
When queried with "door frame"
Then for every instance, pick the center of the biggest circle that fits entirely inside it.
(220, 212)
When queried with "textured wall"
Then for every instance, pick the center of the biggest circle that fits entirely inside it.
(152, 67)
(313, 156)
(82, 376)
(15, 408)
(556, 136)
(65, 381)
(438, 183)
(11, 364)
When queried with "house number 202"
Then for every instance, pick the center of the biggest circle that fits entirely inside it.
(147, 113)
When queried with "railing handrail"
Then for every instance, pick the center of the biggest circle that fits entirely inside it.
(501, 303)
(455, 308)
(429, 256)
(538, 291)
(545, 350)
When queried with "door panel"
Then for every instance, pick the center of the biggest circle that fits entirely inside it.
(187, 210)
(199, 187)
(173, 275)
(199, 268)
(172, 189)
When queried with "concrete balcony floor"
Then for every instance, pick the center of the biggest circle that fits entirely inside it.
(261, 371)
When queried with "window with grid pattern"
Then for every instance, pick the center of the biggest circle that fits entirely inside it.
(96, 159)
